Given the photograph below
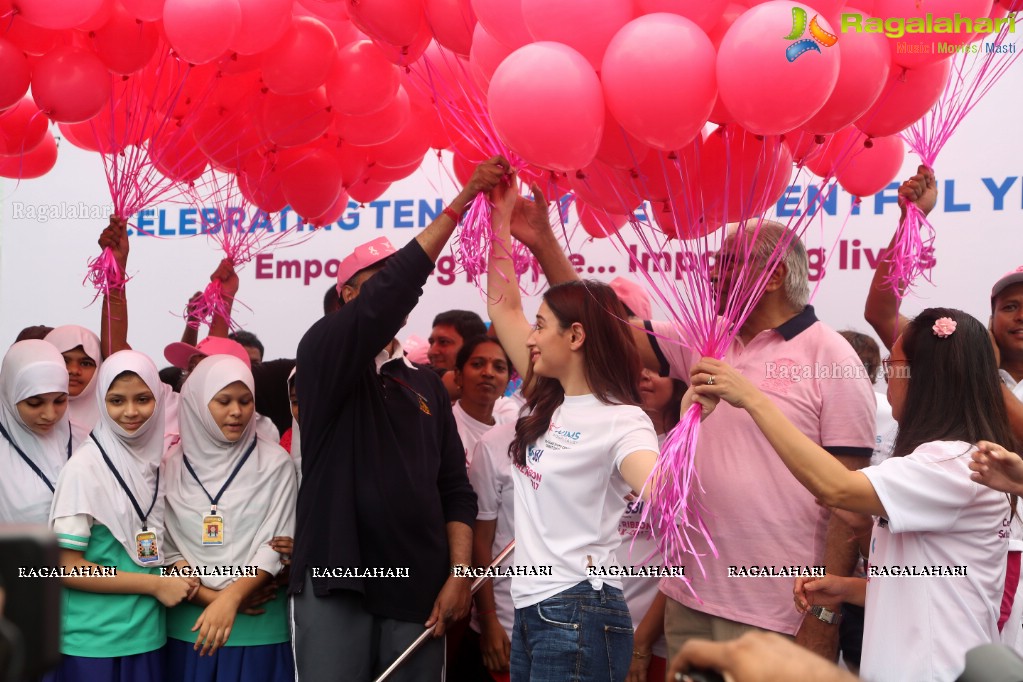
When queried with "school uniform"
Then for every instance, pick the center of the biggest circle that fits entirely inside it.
(83, 409)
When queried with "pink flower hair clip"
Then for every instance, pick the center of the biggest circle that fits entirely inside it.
(943, 327)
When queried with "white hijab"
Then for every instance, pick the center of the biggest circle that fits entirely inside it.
(88, 486)
(30, 368)
(258, 504)
(83, 409)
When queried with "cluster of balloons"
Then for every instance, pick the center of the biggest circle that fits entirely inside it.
(310, 102)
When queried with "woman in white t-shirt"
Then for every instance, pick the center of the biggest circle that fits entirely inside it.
(583, 446)
(938, 550)
(481, 375)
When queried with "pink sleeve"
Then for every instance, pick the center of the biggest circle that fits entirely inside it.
(667, 345)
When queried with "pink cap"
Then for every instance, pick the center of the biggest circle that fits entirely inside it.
(1011, 277)
(178, 354)
(633, 296)
(415, 348)
(364, 256)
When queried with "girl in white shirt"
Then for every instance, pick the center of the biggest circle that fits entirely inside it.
(481, 374)
(932, 521)
(583, 446)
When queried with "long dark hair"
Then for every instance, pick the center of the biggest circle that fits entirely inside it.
(612, 363)
(954, 391)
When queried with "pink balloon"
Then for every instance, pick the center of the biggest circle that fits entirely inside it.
(376, 128)
(503, 20)
(907, 95)
(124, 43)
(597, 222)
(260, 182)
(679, 221)
(144, 10)
(70, 84)
(332, 214)
(324, 9)
(33, 164)
(586, 27)
(452, 23)
(300, 60)
(733, 10)
(604, 187)
(486, 55)
(619, 149)
(378, 173)
(804, 145)
(293, 120)
(703, 13)
(869, 169)
(311, 180)
(17, 75)
(753, 64)
(742, 174)
(22, 128)
(864, 69)
(406, 55)
(361, 80)
(58, 14)
(407, 147)
(641, 80)
(925, 42)
(365, 191)
(397, 22)
(201, 30)
(833, 151)
(263, 23)
(546, 104)
(662, 176)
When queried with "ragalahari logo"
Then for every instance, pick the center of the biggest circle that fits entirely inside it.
(803, 45)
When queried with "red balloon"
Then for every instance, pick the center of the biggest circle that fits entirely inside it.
(378, 173)
(300, 60)
(664, 175)
(70, 84)
(125, 44)
(14, 67)
(33, 164)
(704, 13)
(22, 128)
(260, 182)
(586, 27)
(33, 40)
(144, 10)
(361, 80)
(619, 149)
(366, 191)
(332, 214)
(408, 54)
(290, 121)
(741, 174)
(376, 128)
(805, 146)
(869, 169)
(311, 180)
(503, 20)
(407, 147)
(604, 187)
(354, 163)
(201, 30)
(486, 55)
(175, 154)
(864, 69)
(463, 169)
(597, 222)
(546, 104)
(680, 220)
(397, 22)
(263, 23)
(641, 84)
(732, 11)
(452, 23)
(324, 9)
(907, 95)
(59, 14)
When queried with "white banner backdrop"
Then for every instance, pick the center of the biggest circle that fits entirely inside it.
(49, 228)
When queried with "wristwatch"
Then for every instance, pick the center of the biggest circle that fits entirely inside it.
(825, 614)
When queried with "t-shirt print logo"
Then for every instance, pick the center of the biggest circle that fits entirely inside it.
(534, 454)
(804, 45)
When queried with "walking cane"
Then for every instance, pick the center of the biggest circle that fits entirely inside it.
(476, 585)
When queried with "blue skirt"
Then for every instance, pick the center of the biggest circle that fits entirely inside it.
(147, 667)
(265, 663)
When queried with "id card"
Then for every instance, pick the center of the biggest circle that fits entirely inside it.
(212, 530)
(146, 547)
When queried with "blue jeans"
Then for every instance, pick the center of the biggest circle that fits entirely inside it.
(579, 635)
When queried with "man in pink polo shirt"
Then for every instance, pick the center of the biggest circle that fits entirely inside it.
(758, 514)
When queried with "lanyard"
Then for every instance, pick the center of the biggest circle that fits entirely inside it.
(124, 486)
(237, 468)
(29, 462)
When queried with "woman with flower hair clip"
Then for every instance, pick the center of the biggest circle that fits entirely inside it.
(932, 522)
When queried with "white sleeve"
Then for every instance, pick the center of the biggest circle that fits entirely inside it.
(631, 432)
(73, 532)
(280, 518)
(484, 480)
(920, 494)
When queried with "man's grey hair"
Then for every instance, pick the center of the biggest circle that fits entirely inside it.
(768, 236)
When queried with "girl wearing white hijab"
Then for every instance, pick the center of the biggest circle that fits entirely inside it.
(82, 357)
(35, 436)
(108, 512)
(230, 491)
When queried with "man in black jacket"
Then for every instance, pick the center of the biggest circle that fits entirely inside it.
(385, 510)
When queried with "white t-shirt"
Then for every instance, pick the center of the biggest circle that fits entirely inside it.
(887, 429)
(470, 430)
(1012, 630)
(491, 477)
(920, 627)
(570, 495)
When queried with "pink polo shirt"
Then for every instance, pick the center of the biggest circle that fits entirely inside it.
(757, 513)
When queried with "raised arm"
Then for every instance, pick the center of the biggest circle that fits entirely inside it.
(114, 312)
(531, 225)
(882, 307)
(504, 302)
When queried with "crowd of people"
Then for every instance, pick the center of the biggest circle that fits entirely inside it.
(311, 518)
